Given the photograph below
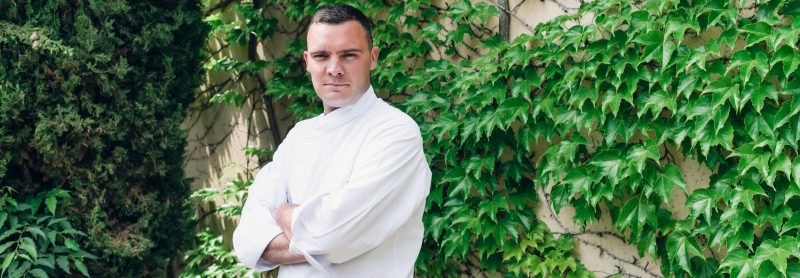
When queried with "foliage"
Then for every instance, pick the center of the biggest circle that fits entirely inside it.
(92, 95)
(210, 257)
(35, 242)
(602, 108)
(629, 91)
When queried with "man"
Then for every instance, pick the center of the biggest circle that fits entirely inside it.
(345, 192)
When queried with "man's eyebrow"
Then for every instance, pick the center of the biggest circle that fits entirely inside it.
(313, 53)
(352, 50)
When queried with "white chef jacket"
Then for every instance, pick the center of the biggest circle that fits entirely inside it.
(360, 178)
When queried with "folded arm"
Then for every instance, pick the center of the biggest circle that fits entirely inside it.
(258, 241)
(277, 252)
(388, 184)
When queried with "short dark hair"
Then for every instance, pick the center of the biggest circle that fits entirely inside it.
(341, 13)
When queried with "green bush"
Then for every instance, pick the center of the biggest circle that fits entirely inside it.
(92, 95)
(36, 243)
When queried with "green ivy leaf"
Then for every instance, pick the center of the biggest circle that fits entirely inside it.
(787, 56)
(759, 94)
(687, 86)
(459, 9)
(652, 42)
(777, 253)
(702, 201)
(655, 102)
(746, 190)
(796, 171)
(560, 196)
(639, 154)
(610, 164)
(756, 32)
(647, 243)
(749, 157)
(781, 163)
(793, 270)
(578, 181)
(680, 248)
(673, 175)
(611, 102)
(698, 58)
(738, 263)
(792, 223)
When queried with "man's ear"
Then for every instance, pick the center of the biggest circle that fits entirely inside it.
(305, 58)
(374, 55)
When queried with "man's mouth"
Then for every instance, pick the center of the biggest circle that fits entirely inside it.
(337, 84)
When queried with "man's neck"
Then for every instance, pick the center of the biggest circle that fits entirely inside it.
(328, 109)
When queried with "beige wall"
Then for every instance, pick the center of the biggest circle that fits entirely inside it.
(218, 133)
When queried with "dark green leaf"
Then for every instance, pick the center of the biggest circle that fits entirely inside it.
(71, 244)
(38, 273)
(7, 261)
(29, 246)
(81, 267)
(51, 204)
(36, 231)
(63, 263)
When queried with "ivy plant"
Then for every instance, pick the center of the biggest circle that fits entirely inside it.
(715, 81)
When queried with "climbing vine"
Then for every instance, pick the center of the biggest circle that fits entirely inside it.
(621, 95)
(594, 113)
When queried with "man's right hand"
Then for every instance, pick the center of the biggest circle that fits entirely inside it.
(277, 252)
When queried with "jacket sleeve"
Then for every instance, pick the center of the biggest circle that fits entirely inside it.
(256, 227)
(390, 180)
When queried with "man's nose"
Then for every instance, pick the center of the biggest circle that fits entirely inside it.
(335, 68)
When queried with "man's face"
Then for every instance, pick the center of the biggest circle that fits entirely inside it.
(339, 61)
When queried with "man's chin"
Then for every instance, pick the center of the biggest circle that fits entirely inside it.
(338, 101)
(337, 92)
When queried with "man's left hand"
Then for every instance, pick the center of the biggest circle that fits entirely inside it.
(283, 216)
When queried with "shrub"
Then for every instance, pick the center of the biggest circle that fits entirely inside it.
(92, 95)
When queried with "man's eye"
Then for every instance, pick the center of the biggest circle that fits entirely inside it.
(320, 56)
